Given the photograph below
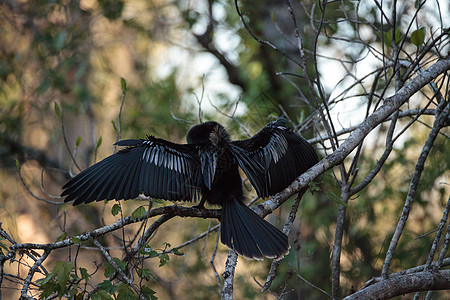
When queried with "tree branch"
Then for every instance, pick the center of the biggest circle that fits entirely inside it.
(404, 284)
(438, 123)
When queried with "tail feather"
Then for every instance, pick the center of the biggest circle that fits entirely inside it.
(242, 238)
(266, 239)
(267, 232)
(250, 235)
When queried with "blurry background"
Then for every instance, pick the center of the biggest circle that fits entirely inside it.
(179, 56)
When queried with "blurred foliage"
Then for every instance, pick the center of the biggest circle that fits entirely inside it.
(75, 52)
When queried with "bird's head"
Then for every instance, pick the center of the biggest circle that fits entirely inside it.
(208, 132)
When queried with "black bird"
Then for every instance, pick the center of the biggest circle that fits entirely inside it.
(208, 166)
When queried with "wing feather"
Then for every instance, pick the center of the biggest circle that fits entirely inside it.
(274, 157)
(152, 166)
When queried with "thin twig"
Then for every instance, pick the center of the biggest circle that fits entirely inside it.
(438, 123)
(313, 285)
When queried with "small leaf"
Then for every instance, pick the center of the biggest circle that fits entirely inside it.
(62, 236)
(123, 85)
(47, 285)
(138, 213)
(18, 166)
(157, 201)
(416, 4)
(73, 292)
(176, 251)
(148, 293)
(60, 40)
(115, 209)
(116, 130)
(102, 295)
(99, 143)
(76, 240)
(145, 273)
(398, 36)
(387, 38)
(107, 286)
(78, 142)
(62, 270)
(3, 246)
(336, 199)
(122, 264)
(314, 187)
(57, 109)
(418, 37)
(147, 250)
(124, 292)
(46, 279)
(163, 259)
(85, 275)
(110, 270)
(301, 118)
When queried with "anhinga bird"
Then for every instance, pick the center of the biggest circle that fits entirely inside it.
(208, 166)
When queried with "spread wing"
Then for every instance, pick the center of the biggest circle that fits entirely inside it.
(154, 167)
(274, 157)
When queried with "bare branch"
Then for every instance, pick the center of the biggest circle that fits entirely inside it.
(228, 275)
(404, 284)
(438, 124)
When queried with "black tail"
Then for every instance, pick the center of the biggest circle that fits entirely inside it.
(249, 234)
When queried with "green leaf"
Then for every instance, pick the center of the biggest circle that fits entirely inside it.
(123, 85)
(46, 279)
(116, 130)
(148, 293)
(418, 37)
(107, 286)
(145, 273)
(157, 201)
(314, 187)
(138, 213)
(163, 259)
(78, 142)
(99, 142)
(110, 270)
(416, 3)
(336, 199)
(47, 285)
(3, 246)
(57, 109)
(122, 264)
(85, 275)
(124, 292)
(76, 240)
(147, 250)
(387, 38)
(301, 118)
(398, 36)
(62, 270)
(18, 166)
(61, 237)
(60, 40)
(101, 295)
(115, 209)
(176, 251)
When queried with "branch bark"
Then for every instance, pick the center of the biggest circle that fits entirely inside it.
(391, 104)
(404, 284)
(441, 115)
